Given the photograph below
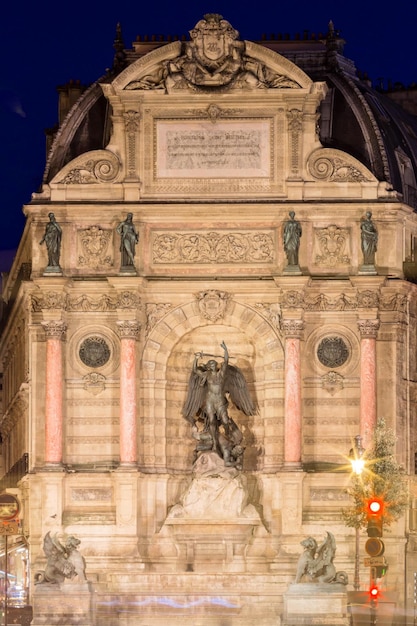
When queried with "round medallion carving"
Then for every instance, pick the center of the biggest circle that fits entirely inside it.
(332, 352)
(94, 351)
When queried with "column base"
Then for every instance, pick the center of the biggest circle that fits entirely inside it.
(292, 466)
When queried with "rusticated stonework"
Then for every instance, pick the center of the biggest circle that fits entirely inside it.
(213, 247)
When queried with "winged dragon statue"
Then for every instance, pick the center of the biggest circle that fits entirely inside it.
(316, 562)
(64, 561)
(206, 407)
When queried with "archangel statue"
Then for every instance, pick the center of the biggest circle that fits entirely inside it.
(206, 407)
(64, 561)
(316, 562)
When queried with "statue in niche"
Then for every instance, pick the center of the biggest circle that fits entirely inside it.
(64, 561)
(369, 239)
(129, 237)
(206, 407)
(291, 236)
(316, 562)
(52, 240)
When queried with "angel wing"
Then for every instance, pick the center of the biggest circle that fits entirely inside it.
(52, 547)
(195, 396)
(327, 550)
(235, 384)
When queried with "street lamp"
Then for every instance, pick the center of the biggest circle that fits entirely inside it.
(358, 465)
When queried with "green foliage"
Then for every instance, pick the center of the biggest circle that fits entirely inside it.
(382, 477)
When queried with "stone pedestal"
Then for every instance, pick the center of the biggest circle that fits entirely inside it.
(66, 605)
(307, 604)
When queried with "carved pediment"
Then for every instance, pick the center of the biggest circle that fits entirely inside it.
(94, 167)
(327, 164)
(214, 59)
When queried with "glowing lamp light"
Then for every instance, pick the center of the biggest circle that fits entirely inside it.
(374, 592)
(358, 466)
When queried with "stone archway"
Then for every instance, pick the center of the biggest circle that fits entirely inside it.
(165, 442)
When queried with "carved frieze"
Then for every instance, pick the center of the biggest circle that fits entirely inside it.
(213, 247)
(93, 244)
(366, 299)
(53, 300)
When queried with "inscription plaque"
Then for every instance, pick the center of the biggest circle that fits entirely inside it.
(199, 149)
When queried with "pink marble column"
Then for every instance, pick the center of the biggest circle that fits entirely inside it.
(292, 330)
(129, 332)
(368, 330)
(55, 331)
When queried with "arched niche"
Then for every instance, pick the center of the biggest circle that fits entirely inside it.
(165, 441)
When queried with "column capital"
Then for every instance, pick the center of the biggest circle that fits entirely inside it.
(292, 328)
(54, 329)
(368, 328)
(128, 329)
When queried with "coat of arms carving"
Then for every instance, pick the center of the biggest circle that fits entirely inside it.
(94, 243)
(214, 58)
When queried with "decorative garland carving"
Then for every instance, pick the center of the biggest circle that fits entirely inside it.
(343, 302)
(213, 247)
(52, 300)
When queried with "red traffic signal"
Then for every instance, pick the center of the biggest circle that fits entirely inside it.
(374, 592)
(374, 515)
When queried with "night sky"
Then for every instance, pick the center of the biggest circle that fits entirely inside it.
(46, 44)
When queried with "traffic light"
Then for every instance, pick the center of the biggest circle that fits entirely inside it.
(374, 592)
(374, 515)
